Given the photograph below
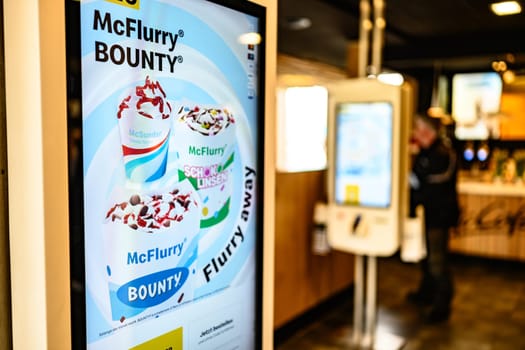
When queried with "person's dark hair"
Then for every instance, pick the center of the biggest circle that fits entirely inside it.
(434, 123)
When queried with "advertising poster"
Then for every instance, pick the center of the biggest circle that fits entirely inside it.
(363, 164)
(170, 104)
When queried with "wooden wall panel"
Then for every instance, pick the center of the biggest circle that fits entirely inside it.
(293, 71)
(303, 279)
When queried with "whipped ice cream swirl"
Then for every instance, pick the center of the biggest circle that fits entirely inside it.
(206, 121)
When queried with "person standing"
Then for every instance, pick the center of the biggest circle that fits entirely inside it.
(433, 185)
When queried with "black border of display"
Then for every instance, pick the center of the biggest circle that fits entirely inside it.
(76, 179)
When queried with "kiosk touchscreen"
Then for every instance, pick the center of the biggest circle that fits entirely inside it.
(166, 173)
(363, 154)
(368, 125)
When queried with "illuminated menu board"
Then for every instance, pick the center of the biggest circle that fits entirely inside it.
(476, 99)
(170, 144)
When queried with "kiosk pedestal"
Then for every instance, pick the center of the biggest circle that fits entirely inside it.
(364, 334)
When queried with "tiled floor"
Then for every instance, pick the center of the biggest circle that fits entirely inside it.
(488, 311)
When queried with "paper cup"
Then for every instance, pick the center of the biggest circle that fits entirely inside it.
(145, 119)
(144, 147)
(206, 159)
(151, 244)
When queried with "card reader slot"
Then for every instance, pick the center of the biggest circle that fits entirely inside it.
(355, 224)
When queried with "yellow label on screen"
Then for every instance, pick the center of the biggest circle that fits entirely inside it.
(168, 341)
(134, 4)
(352, 194)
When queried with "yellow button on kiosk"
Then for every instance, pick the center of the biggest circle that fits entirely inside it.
(168, 341)
(352, 194)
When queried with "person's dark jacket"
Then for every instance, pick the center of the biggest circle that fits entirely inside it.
(434, 186)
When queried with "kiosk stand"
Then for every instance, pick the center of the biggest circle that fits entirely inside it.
(367, 195)
(368, 162)
(365, 336)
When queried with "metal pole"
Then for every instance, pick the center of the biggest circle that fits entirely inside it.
(377, 35)
(365, 25)
(371, 285)
(358, 299)
(371, 302)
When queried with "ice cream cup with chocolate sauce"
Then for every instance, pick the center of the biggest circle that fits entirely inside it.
(145, 120)
(205, 147)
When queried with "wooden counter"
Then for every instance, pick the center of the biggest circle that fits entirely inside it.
(492, 220)
(491, 188)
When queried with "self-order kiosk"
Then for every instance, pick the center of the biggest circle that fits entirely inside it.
(369, 123)
(368, 126)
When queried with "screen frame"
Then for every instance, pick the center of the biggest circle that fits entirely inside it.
(76, 186)
(337, 123)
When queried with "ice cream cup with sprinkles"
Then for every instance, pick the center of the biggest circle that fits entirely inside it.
(206, 143)
(151, 245)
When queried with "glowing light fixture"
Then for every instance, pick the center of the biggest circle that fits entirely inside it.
(298, 23)
(468, 152)
(506, 8)
(483, 152)
(391, 78)
(509, 77)
(302, 127)
(250, 39)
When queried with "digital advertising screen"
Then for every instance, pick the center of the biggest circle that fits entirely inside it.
(363, 154)
(166, 174)
(476, 99)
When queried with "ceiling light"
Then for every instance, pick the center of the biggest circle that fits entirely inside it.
(506, 8)
(510, 58)
(499, 66)
(509, 77)
(298, 23)
(435, 112)
(391, 78)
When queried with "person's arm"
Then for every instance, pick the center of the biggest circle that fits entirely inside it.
(443, 168)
